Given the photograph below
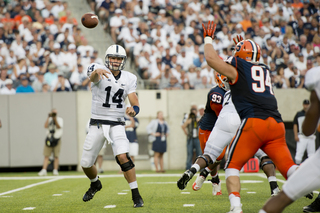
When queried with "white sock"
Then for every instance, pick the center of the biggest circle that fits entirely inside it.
(272, 178)
(196, 166)
(133, 185)
(262, 211)
(44, 170)
(234, 200)
(208, 170)
(94, 179)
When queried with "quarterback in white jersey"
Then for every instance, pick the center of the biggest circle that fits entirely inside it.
(110, 87)
(309, 171)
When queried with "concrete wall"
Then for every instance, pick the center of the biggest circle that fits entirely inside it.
(23, 116)
(22, 134)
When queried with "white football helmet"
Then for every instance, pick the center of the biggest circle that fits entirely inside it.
(118, 52)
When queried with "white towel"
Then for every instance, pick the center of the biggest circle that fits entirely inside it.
(106, 131)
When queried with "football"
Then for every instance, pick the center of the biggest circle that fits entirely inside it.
(89, 20)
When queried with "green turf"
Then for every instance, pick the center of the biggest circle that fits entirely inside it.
(160, 194)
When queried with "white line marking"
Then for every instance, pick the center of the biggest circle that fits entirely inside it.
(57, 195)
(251, 192)
(122, 193)
(29, 186)
(185, 193)
(110, 206)
(251, 181)
(188, 205)
(244, 188)
(29, 208)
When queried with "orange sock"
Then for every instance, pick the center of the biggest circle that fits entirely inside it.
(237, 194)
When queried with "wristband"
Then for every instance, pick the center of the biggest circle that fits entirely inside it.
(136, 109)
(207, 40)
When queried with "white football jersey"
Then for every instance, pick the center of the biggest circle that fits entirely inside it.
(227, 105)
(109, 94)
(312, 80)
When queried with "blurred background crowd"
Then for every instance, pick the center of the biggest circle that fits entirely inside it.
(42, 48)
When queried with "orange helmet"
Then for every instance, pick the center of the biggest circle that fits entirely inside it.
(247, 50)
(222, 81)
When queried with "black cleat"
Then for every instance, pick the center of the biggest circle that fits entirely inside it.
(313, 207)
(309, 195)
(185, 178)
(138, 202)
(94, 188)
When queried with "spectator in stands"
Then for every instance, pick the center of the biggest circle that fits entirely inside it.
(165, 77)
(3, 76)
(52, 75)
(19, 68)
(280, 81)
(79, 79)
(141, 46)
(24, 87)
(173, 84)
(38, 82)
(115, 23)
(8, 90)
(296, 80)
(60, 84)
(301, 63)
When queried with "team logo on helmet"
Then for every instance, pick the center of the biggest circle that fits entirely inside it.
(247, 50)
(222, 81)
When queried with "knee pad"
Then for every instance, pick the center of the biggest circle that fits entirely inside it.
(266, 162)
(126, 166)
(232, 172)
(205, 159)
(85, 163)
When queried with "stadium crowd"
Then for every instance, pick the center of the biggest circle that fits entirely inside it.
(164, 37)
(42, 49)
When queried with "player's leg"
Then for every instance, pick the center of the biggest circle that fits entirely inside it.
(294, 188)
(91, 147)
(268, 168)
(244, 145)
(276, 148)
(120, 147)
(300, 149)
(219, 138)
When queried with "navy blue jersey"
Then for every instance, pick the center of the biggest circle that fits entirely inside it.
(213, 108)
(252, 92)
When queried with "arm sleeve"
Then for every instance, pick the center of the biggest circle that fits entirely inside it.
(216, 108)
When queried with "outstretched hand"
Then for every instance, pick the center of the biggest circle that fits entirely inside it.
(102, 73)
(237, 39)
(209, 31)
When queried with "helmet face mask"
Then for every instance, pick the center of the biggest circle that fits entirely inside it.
(113, 53)
(247, 50)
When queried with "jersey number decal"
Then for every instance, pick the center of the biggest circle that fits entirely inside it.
(115, 99)
(257, 75)
(216, 98)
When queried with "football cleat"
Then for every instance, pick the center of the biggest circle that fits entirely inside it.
(275, 192)
(313, 207)
(55, 172)
(94, 188)
(183, 181)
(138, 202)
(216, 189)
(309, 195)
(198, 183)
(235, 209)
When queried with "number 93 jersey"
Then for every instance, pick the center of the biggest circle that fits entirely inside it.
(252, 93)
(109, 94)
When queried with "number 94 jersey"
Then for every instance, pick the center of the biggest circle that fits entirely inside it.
(252, 93)
(109, 94)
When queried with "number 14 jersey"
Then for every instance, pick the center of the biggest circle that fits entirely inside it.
(252, 92)
(109, 94)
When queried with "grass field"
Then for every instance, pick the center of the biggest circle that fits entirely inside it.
(21, 192)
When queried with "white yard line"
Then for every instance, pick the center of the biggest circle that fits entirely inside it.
(29, 186)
